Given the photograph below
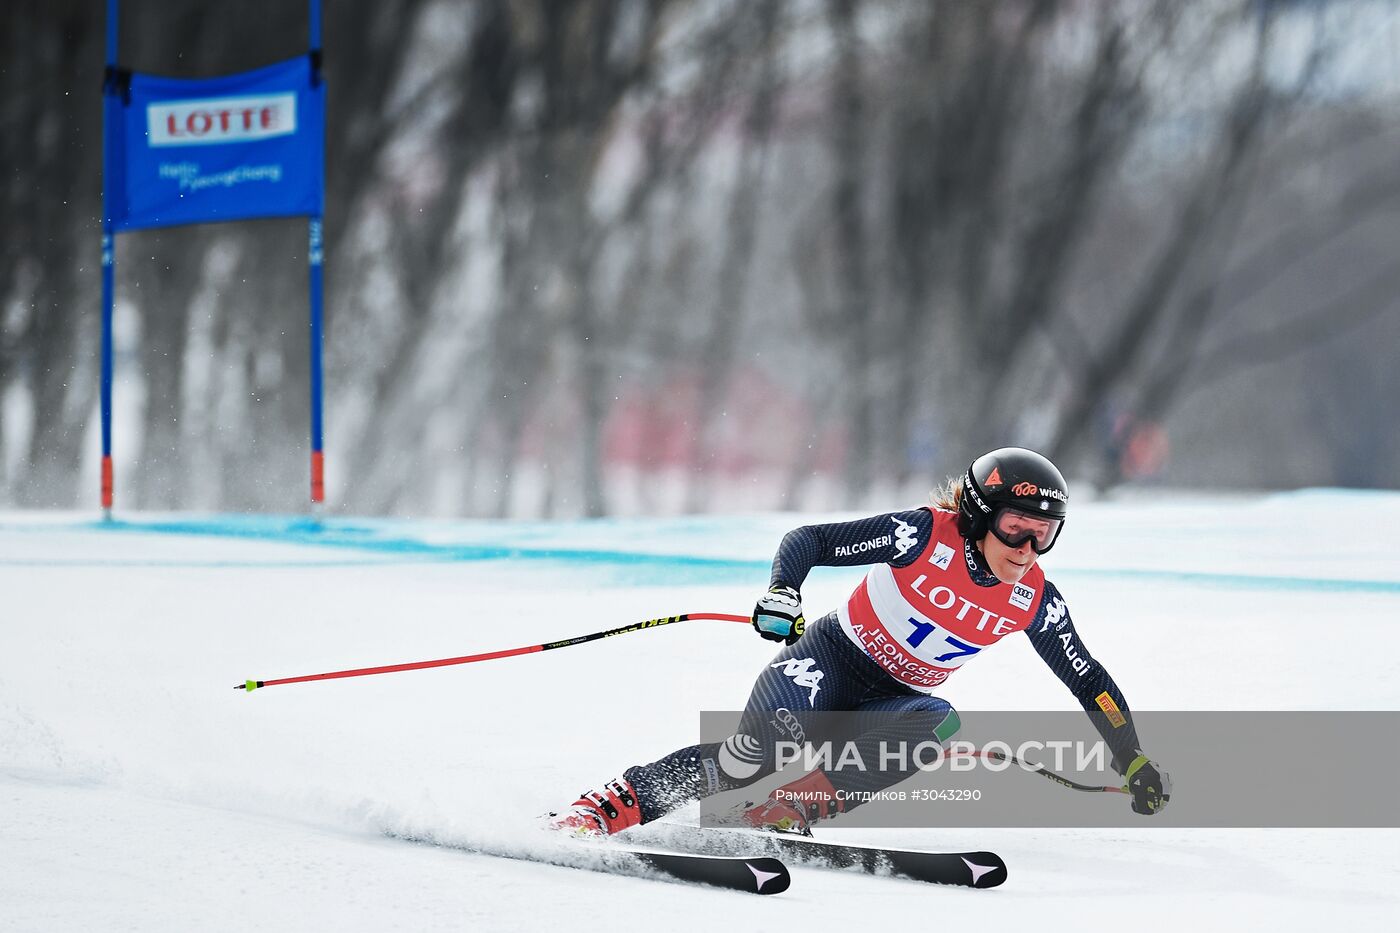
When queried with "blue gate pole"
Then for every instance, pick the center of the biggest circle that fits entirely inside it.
(315, 254)
(109, 256)
(108, 249)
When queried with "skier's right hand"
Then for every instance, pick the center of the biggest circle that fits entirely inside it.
(1150, 786)
(778, 615)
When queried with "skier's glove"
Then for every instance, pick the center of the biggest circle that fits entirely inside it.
(1150, 786)
(778, 615)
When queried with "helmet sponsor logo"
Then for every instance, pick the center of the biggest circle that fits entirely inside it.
(994, 478)
(1048, 492)
(970, 489)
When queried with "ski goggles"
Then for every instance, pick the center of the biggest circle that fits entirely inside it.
(1014, 528)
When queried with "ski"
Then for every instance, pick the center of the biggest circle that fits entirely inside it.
(965, 869)
(755, 874)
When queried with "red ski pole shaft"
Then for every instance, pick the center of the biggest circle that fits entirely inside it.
(251, 685)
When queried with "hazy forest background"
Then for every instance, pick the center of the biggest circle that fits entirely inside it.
(593, 257)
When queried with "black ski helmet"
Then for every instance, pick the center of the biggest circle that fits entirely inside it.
(1014, 477)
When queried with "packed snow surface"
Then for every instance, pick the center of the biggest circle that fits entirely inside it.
(138, 790)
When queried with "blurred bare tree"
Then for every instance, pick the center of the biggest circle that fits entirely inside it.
(46, 266)
(596, 256)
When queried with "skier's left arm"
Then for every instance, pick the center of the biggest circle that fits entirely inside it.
(1053, 635)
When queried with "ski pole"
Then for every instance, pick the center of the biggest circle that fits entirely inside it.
(251, 685)
(1047, 773)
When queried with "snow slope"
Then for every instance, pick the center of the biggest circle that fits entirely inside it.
(139, 791)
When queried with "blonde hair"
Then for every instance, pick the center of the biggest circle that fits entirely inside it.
(949, 495)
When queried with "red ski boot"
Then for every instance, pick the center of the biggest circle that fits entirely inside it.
(600, 813)
(794, 807)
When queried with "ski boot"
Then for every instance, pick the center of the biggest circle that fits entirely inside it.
(794, 807)
(599, 813)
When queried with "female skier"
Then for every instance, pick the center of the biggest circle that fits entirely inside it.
(947, 582)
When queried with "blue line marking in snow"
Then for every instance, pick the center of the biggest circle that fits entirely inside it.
(627, 566)
(305, 532)
(389, 546)
(183, 564)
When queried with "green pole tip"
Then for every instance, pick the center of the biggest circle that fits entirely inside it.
(250, 686)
